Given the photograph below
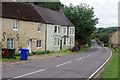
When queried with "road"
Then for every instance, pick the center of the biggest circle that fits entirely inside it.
(79, 65)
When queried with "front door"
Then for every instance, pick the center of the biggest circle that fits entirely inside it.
(29, 45)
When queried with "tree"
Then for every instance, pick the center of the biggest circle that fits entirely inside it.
(84, 20)
(103, 33)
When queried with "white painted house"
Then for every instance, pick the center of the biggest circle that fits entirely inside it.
(60, 32)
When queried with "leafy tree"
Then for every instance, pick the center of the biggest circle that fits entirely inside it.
(103, 33)
(84, 20)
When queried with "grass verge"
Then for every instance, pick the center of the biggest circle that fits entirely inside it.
(6, 59)
(111, 69)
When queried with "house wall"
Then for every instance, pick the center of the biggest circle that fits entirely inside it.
(26, 30)
(51, 35)
(0, 29)
(115, 39)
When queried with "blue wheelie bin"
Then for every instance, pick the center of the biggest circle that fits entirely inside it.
(24, 54)
(77, 48)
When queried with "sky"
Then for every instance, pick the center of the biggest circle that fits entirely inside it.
(105, 10)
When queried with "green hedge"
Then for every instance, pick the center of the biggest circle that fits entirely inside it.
(41, 52)
(19, 54)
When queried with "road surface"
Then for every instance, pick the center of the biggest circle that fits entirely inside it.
(80, 65)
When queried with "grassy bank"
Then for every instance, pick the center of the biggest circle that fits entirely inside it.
(111, 69)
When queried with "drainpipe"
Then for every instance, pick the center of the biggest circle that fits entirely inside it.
(45, 37)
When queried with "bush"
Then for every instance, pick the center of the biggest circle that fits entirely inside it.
(65, 51)
(41, 52)
(30, 54)
(18, 54)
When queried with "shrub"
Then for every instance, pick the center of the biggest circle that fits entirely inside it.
(30, 54)
(18, 54)
(41, 52)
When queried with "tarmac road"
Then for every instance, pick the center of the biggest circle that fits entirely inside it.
(80, 65)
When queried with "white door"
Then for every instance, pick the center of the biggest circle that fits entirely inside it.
(29, 45)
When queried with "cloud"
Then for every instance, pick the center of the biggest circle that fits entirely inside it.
(106, 10)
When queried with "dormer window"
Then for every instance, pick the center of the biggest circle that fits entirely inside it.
(39, 27)
(15, 26)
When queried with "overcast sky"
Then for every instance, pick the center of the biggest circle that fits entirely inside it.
(106, 10)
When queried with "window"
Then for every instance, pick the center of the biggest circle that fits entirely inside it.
(15, 26)
(55, 29)
(64, 41)
(55, 41)
(58, 29)
(39, 44)
(10, 43)
(72, 30)
(58, 41)
(64, 29)
(70, 40)
(39, 26)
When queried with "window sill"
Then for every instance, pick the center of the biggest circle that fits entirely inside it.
(39, 31)
(38, 47)
(56, 46)
(15, 29)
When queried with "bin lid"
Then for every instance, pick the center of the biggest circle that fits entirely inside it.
(11, 48)
(24, 49)
(4, 48)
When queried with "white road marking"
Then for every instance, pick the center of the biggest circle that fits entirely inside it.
(101, 66)
(63, 64)
(88, 55)
(29, 73)
(80, 58)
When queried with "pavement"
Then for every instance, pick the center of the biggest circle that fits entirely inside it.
(79, 65)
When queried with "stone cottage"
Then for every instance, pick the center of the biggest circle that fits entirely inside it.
(22, 27)
(116, 38)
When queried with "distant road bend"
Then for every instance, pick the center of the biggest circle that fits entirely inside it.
(80, 65)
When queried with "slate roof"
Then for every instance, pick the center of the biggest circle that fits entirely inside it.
(53, 17)
(22, 11)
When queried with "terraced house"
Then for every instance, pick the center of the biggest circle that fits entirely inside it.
(29, 26)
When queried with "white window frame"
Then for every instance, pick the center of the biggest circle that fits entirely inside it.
(70, 41)
(39, 27)
(15, 24)
(10, 43)
(64, 41)
(56, 41)
(64, 30)
(59, 29)
(39, 44)
(56, 27)
(73, 30)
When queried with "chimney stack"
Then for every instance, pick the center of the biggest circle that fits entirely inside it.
(62, 10)
(31, 2)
